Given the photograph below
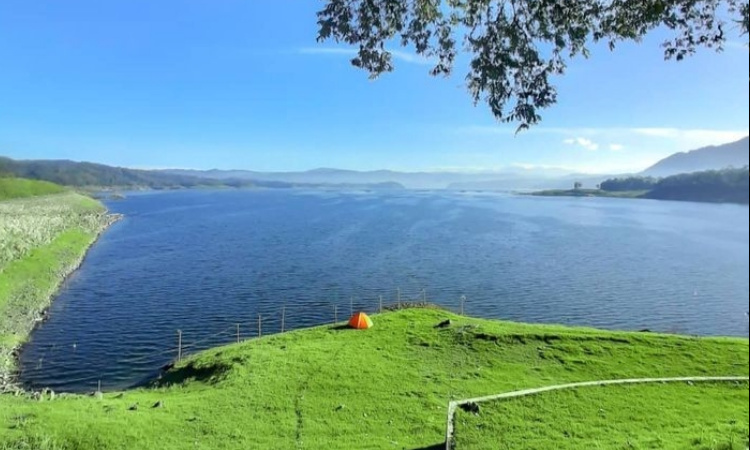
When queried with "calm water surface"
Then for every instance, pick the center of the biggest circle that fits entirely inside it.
(204, 261)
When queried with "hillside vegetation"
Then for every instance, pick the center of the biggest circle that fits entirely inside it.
(712, 186)
(42, 240)
(717, 157)
(84, 174)
(20, 188)
(100, 176)
(334, 388)
(721, 186)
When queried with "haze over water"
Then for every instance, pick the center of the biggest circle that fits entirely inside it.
(204, 261)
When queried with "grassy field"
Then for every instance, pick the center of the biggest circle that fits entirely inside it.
(383, 388)
(588, 193)
(21, 188)
(30, 223)
(681, 416)
(42, 240)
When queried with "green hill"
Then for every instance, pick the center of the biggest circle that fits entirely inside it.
(710, 186)
(84, 174)
(19, 188)
(387, 387)
(718, 157)
(719, 186)
(91, 175)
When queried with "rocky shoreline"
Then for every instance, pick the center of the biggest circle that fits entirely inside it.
(8, 379)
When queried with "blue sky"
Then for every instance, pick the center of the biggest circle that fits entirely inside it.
(243, 84)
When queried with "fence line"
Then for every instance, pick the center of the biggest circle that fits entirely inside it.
(286, 319)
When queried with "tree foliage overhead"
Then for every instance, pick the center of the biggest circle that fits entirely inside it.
(516, 46)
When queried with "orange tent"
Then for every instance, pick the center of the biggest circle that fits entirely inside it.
(360, 321)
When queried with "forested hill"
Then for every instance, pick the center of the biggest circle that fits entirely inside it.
(91, 175)
(84, 174)
(734, 154)
(720, 186)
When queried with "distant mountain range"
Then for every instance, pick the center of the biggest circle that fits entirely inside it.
(509, 179)
(91, 175)
(83, 174)
(734, 154)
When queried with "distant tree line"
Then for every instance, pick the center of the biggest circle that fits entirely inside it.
(728, 185)
(629, 184)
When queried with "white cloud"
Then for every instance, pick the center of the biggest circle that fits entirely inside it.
(626, 149)
(683, 137)
(585, 143)
(412, 58)
(399, 55)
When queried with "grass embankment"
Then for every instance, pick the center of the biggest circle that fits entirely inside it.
(335, 388)
(701, 416)
(42, 240)
(589, 193)
(21, 188)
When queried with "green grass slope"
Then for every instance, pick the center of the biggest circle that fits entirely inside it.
(334, 388)
(700, 416)
(20, 188)
(42, 240)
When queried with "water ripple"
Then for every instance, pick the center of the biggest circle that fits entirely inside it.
(204, 262)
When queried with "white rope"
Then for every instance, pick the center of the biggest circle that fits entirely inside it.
(452, 406)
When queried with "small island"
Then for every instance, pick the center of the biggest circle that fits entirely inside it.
(711, 186)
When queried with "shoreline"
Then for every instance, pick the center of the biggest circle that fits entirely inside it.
(9, 379)
(637, 195)
(587, 193)
(295, 374)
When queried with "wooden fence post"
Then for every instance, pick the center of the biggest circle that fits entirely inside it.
(179, 345)
(260, 326)
(283, 318)
(238, 333)
(463, 302)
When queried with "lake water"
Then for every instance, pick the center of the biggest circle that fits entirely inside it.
(204, 261)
